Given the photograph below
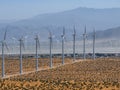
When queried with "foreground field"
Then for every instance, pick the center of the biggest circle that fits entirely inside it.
(12, 65)
(101, 74)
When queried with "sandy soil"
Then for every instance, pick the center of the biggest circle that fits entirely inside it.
(101, 74)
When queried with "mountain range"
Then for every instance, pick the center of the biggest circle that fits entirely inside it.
(101, 19)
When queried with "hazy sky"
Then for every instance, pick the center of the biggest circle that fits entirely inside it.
(21, 9)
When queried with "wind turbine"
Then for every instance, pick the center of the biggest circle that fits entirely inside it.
(3, 57)
(13, 48)
(21, 46)
(50, 37)
(84, 43)
(26, 41)
(63, 38)
(74, 38)
(94, 37)
(37, 45)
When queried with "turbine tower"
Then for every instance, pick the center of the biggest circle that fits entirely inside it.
(63, 38)
(3, 57)
(21, 46)
(84, 43)
(37, 45)
(74, 38)
(94, 37)
(50, 37)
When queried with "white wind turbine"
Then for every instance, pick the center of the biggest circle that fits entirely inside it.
(37, 46)
(14, 41)
(26, 41)
(51, 41)
(21, 40)
(63, 39)
(3, 57)
(94, 37)
(84, 43)
(74, 38)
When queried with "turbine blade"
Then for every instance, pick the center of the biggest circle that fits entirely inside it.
(22, 43)
(6, 46)
(85, 30)
(63, 31)
(65, 39)
(37, 36)
(52, 42)
(74, 31)
(38, 43)
(56, 39)
(94, 31)
(50, 33)
(51, 38)
(5, 35)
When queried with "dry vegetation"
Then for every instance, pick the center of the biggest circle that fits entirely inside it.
(101, 74)
(29, 64)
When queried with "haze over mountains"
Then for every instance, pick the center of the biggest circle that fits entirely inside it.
(101, 19)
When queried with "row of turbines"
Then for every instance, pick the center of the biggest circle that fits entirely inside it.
(21, 46)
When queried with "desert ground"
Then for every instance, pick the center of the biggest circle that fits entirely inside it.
(99, 74)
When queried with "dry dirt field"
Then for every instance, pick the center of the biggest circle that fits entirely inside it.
(29, 64)
(101, 74)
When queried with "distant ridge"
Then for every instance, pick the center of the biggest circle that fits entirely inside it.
(113, 33)
(101, 19)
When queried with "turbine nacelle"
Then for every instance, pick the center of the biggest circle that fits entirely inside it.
(21, 40)
(37, 40)
(63, 35)
(74, 33)
(85, 33)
